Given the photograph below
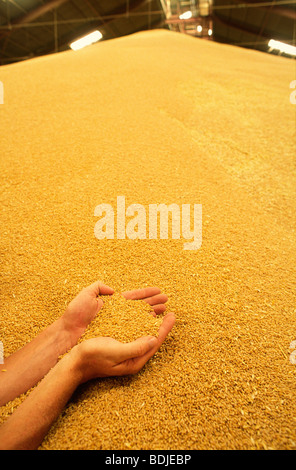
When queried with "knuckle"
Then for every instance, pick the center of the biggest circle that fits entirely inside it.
(141, 349)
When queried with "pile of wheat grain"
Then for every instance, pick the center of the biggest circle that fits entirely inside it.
(158, 117)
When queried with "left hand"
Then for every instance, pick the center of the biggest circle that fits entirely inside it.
(83, 309)
(85, 306)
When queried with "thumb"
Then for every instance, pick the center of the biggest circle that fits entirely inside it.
(97, 288)
(138, 348)
(99, 303)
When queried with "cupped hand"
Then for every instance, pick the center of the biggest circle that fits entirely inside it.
(104, 357)
(85, 306)
(83, 309)
(151, 295)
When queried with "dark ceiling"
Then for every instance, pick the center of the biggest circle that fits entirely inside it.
(30, 28)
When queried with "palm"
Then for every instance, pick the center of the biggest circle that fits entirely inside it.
(104, 357)
(83, 309)
(85, 306)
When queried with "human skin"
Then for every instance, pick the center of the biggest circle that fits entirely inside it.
(94, 358)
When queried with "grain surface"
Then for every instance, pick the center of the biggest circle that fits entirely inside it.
(123, 320)
(158, 117)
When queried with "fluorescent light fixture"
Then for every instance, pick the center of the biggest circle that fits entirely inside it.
(282, 47)
(210, 32)
(186, 15)
(199, 28)
(86, 40)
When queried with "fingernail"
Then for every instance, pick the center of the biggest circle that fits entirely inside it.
(152, 342)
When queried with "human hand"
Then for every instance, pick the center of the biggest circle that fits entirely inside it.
(151, 295)
(105, 357)
(83, 309)
(85, 306)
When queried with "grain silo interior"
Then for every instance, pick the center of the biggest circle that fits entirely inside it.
(182, 106)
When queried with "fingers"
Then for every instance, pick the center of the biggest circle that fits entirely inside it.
(165, 328)
(99, 288)
(100, 304)
(156, 299)
(151, 295)
(157, 302)
(136, 348)
(137, 360)
(139, 294)
(157, 309)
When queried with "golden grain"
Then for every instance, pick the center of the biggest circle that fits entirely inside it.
(123, 320)
(159, 117)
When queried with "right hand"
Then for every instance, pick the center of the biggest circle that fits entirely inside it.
(151, 295)
(105, 357)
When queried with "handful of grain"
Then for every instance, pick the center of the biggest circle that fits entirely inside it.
(123, 320)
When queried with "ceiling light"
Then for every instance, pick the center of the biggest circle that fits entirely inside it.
(199, 28)
(210, 32)
(86, 40)
(282, 47)
(186, 15)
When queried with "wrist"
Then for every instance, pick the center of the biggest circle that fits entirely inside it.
(73, 362)
(63, 336)
(72, 332)
(82, 361)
